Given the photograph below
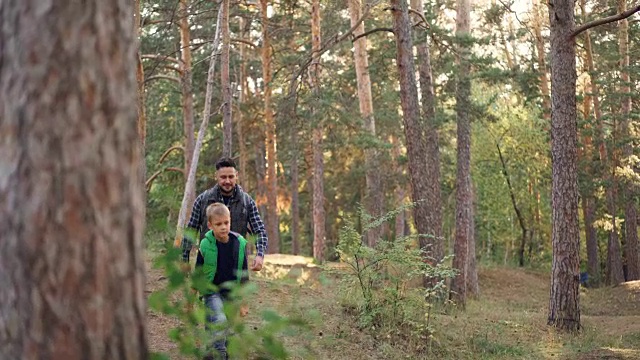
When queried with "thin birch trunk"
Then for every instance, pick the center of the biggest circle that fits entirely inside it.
(206, 114)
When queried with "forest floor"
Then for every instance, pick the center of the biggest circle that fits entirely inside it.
(508, 321)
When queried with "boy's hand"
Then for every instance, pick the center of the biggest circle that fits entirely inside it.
(244, 310)
(257, 263)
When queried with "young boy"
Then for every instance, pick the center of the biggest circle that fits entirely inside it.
(223, 260)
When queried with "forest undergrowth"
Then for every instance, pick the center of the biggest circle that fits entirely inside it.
(507, 321)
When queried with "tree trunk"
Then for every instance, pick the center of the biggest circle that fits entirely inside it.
(564, 310)
(614, 271)
(542, 64)
(463, 176)
(416, 148)
(227, 128)
(473, 286)
(514, 203)
(242, 99)
(374, 198)
(295, 202)
(71, 189)
(272, 180)
(142, 116)
(400, 187)
(630, 210)
(261, 175)
(317, 147)
(187, 97)
(206, 114)
(593, 267)
(433, 244)
(592, 243)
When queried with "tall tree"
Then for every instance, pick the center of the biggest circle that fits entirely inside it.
(272, 180)
(564, 310)
(142, 117)
(373, 196)
(206, 114)
(464, 220)
(243, 97)
(541, 55)
(588, 201)
(434, 242)
(186, 87)
(316, 143)
(416, 148)
(71, 189)
(227, 128)
(630, 210)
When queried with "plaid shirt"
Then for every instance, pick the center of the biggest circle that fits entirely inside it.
(256, 226)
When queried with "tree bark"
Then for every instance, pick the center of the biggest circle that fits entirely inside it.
(71, 189)
(473, 286)
(433, 200)
(400, 187)
(317, 135)
(295, 202)
(187, 96)
(593, 263)
(272, 181)
(374, 198)
(227, 127)
(630, 210)
(244, 91)
(416, 148)
(142, 116)
(463, 176)
(564, 310)
(206, 114)
(542, 64)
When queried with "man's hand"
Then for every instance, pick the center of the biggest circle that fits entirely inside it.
(244, 310)
(257, 263)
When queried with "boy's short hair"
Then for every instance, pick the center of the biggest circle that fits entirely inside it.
(225, 162)
(217, 209)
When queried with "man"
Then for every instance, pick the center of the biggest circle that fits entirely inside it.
(244, 212)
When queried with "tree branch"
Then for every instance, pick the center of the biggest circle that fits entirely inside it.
(162, 76)
(160, 57)
(605, 20)
(149, 181)
(366, 33)
(168, 151)
(243, 41)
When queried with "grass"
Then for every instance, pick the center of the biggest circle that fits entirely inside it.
(507, 321)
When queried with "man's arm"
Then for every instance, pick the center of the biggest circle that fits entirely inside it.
(194, 225)
(257, 227)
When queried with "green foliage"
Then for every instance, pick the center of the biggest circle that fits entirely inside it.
(179, 299)
(380, 281)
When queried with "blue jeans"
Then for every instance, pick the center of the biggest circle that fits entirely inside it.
(215, 315)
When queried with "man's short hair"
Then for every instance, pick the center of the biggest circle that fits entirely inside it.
(225, 162)
(217, 209)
